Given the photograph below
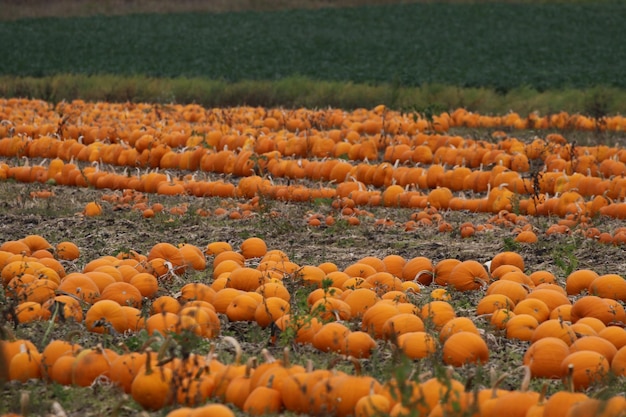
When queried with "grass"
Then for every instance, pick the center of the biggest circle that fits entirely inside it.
(310, 58)
(342, 244)
(403, 43)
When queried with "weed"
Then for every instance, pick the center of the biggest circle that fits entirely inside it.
(565, 258)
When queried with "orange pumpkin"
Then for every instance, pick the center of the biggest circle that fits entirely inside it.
(465, 347)
(468, 275)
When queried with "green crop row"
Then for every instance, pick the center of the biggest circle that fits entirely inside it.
(499, 46)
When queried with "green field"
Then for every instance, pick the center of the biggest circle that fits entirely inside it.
(501, 46)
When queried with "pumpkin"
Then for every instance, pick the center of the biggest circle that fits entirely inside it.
(61, 370)
(331, 308)
(193, 255)
(592, 306)
(296, 389)
(270, 310)
(618, 364)
(515, 291)
(106, 316)
(544, 357)
(67, 251)
(92, 209)
(359, 344)
(375, 317)
(123, 293)
(165, 303)
(91, 364)
(372, 405)
(465, 347)
(468, 275)
(419, 269)
(584, 367)
(331, 337)
(81, 286)
(609, 286)
(246, 279)
(612, 407)
(560, 402)
(521, 327)
(25, 365)
(554, 328)
(263, 400)
(542, 276)
(492, 302)
(146, 283)
(551, 297)
(169, 253)
(507, 258)
(596, 344)
(53, 351)
(615, 335)
(253, 247)
(416, 345)
(456, 325)
(164, 322)
(437, 313)
(433, 391)
(360, 300)
(500, 317)
(579, 280)
(214, 248)
(242, 308)
(400, 324)
(125, 367)
(443, 269)
(533, 307)
(152, 388)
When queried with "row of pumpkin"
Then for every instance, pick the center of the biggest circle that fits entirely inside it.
(249, 143)
(355, 192)
(576, 337)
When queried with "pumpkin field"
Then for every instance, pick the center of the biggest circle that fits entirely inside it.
(168, 258)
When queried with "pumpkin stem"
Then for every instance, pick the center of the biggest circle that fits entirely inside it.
(357, 365)
(237, 347)
(250, 365)
(148, 342)
(148, 361)
(570, 377)
(124, 348)
(527, 377)
(286, 358)
(71, 335)
(496, 381)
(211, 354)
(58, 410)
(24, 402)
(481, 282)
(268, 356)
(423, 271)
(542, 393)
(164, 346)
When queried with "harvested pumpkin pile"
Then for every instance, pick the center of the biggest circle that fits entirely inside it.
(177, 260)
